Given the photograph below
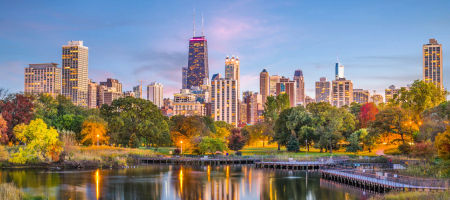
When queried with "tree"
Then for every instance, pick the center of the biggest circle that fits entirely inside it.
(211, 145)
(419, 97)
(94, 131)
(129, 115)
(134, 141)
(292, 144)
(16, 111)
(367, 139)
(443, 144)
(190, 130)
(272, 109)
(392, 120)
(222, 130)
(434, 122)
(299, 123)
(42, 143)
(354, 143)
(3, 131)
(235, 141)
(282, 131)
(367, 114)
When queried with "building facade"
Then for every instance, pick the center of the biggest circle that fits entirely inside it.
(361, 96)
(252, 102)
(184, 71)
(390, 93)
(138, 91)
(43, 78)
(432, 63)
(108, 91)
(274, 79)
(286, 86)
(224, 100)
(197, 62)
(376, 98)
(75, 72)
(339, 71)
(323, 90)
(300, 86)
(232, 71)
(342, 92)
(155, 94)
(264, 85)
(92, 94)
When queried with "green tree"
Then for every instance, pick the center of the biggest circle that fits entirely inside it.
(42, 143)
(367, 139)
(292, 144)
(281, 128)
(190, 130)
(134, 141)
(211, 145)
(354, 141)
(133, 115)
(392, 120)
(419, 97)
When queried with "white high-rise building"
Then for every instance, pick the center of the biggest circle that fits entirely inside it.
(155, 94)
(75, 72)
(224, 100)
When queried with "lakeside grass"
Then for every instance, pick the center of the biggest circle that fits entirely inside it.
(442, 195)
(313, 153)
(11, 192)
(106, 155)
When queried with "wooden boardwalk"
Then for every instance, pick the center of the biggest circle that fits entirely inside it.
(293, 165)
(372, 183)
(198, 161)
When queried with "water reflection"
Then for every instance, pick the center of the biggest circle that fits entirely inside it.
(177, 182)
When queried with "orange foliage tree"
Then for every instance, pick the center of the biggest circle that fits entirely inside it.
(367, 114)
(94, 131)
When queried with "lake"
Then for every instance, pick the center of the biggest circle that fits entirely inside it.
(179, 182)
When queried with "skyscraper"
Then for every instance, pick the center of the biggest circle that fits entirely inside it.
(264, 85)
(155, 94)
(251, 99)
(232, 71)
(342, 92)
(138, 91)
(274, 79)
(339, 71)
(300, 86)
(43, 79)
(289, 87)
(75, 72)
(361, 96)
(323, 90)
(198, 62)
(184, 71)
(432, 63)
(224, 100)
(92, 94)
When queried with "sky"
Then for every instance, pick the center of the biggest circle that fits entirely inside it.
(378, 42)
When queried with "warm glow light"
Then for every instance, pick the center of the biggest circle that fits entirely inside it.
(209, 173)
(98, 135)
(181, 142)
(181, 181)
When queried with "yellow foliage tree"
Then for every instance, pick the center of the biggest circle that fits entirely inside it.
(41, 143)
(94, 131)
(443, 144)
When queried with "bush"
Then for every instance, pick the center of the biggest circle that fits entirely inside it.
(236, 142)
(211, 145)
(176, 151)
(404, 148)
(443, 144)
(423, 150)
(293, 145)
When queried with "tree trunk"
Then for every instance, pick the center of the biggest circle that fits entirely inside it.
(278, 146)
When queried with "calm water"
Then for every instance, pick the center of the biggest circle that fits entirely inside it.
(177, 182)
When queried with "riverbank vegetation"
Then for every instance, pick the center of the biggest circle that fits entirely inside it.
(441, 195)
(43, 129)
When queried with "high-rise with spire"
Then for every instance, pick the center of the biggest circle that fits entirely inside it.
(197, 70)
(432, 63)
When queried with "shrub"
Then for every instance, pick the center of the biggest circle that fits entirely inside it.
(177, 151)
(404, 148)
(236, 142)
(423, 149)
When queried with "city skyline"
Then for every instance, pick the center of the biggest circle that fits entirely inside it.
(366, 61)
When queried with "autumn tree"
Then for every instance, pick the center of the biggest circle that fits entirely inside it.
(41, 143)
(443, 144)
(190, 130)
(392, 121)
(367, 114)
(3, 131)
(235, 141)
(94, 131)
(16, 110)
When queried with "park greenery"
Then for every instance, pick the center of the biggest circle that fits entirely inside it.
(42, 128)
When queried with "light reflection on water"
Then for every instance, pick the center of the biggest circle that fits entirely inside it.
(178, 182)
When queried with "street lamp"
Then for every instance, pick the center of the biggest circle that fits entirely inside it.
(98, 135)
(181, 152)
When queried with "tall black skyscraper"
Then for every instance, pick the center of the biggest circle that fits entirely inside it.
(198, 62)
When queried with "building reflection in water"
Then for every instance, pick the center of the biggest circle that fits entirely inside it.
(177, 182)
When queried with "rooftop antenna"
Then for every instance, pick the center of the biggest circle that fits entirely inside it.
(202, 26)
(193, 23)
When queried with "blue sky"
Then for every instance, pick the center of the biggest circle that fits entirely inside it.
(378, 42)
